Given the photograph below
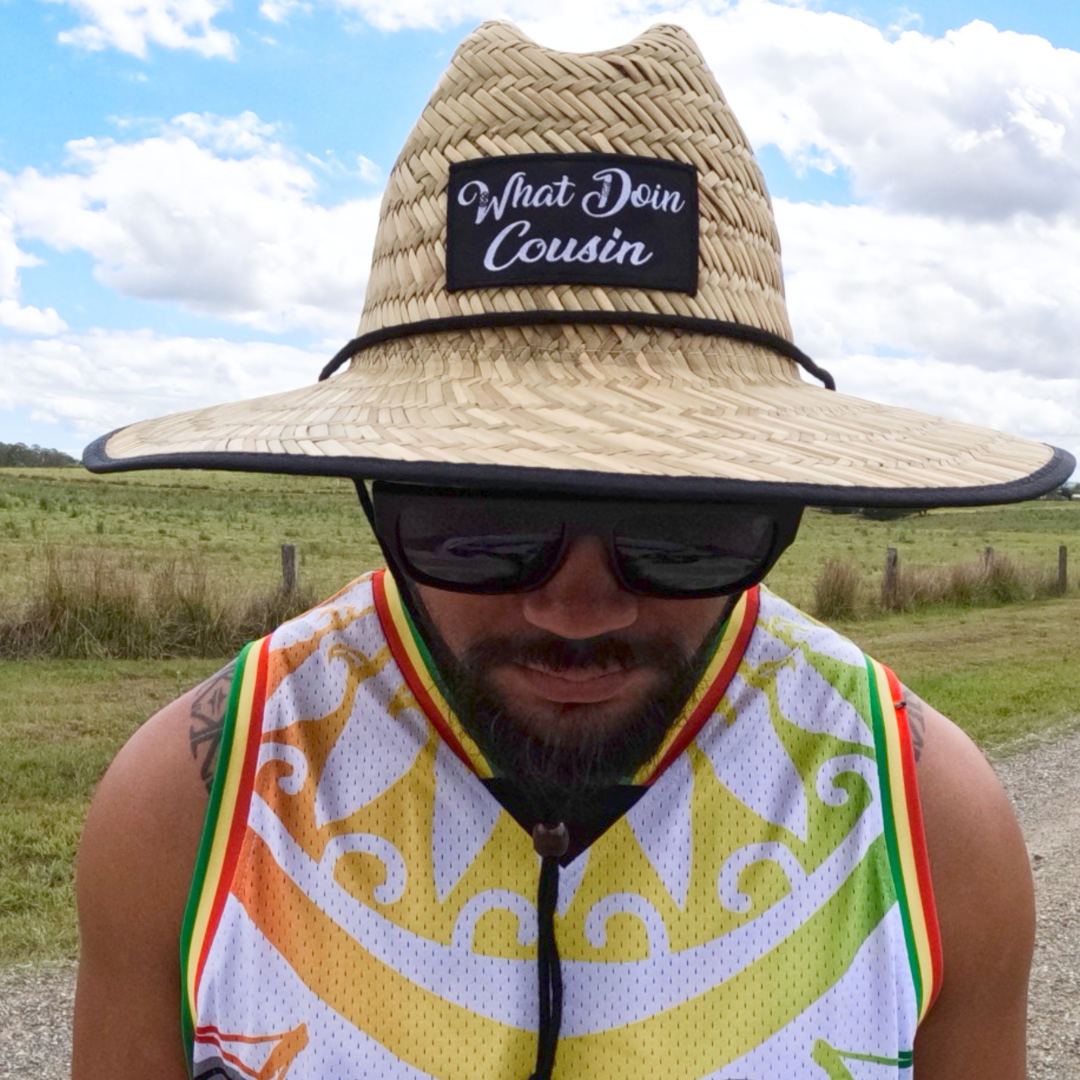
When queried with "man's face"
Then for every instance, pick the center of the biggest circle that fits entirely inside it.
(574, 683)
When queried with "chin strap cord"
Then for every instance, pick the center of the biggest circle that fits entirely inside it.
(551, 843)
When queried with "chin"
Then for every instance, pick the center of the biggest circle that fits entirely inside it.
(573, 723)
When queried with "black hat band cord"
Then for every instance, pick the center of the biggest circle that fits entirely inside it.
(492, 319)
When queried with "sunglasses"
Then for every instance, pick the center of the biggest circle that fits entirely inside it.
(499, 542)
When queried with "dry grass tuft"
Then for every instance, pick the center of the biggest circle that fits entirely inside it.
(982, 583)
(837, 590)
(92, 605)
(840, 593)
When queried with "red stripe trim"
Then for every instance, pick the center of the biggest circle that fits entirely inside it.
(696, 721)
(210, 1033)
(412, 676)
(232, 1059)
(918, 835)
(238, 825)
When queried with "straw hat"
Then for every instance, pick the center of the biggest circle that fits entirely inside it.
(576, 286)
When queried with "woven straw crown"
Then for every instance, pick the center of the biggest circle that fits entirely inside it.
(502, 94)
(570, 385)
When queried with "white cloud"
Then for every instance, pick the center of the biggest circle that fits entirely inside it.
(239, 135)
(30, 320)
(210, 213)
(370, 173)
(14, 315)
(99, 381)
(978, 124)
(278, 11)
(974, 321)
(133, 25)
(998, 295)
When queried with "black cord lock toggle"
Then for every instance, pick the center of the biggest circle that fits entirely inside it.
(550, 841)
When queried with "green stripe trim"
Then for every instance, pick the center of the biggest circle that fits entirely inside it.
(873, 1058)
(422, 648)
(889, 821)
(833, 1061)
(198, 879)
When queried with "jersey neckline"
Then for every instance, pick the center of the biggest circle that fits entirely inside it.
(414, 660)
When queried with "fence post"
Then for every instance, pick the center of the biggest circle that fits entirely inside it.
(289, 568)
(1063, 569)
(988, 557)
(889, 586)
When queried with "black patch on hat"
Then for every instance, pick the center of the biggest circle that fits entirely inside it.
(581, 219)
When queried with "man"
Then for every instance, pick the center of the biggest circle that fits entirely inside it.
(564, 792)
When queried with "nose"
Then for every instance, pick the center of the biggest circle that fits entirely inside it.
(583, 599)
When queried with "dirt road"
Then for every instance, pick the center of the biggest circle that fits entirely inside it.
(1044, 782)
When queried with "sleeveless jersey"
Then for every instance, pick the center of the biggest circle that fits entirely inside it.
(364, 908)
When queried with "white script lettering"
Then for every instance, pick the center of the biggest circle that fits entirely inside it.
(516, 193)
(558, 249)
(617, 188)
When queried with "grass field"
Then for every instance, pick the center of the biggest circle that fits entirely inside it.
(233, 524)
(61, 724)
(999, 672)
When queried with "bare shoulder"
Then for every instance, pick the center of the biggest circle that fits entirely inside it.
(134, 870)
(985, 904)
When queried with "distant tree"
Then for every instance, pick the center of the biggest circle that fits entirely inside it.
(889, 513)
(875, 513)
(21, 454)
(1066, 491)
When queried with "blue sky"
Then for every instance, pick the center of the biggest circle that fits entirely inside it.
(188, 190)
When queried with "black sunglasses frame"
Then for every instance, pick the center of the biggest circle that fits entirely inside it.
(578, 516)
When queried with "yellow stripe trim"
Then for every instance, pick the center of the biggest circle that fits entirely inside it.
(724, 648)
(905, 845)
(420, 667)
(223, 824)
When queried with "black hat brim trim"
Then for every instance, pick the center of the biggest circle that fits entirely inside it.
(595, 483)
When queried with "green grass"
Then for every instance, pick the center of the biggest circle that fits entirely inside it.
(232, 525)
(1000, 673)
(61, 723)
(1028, 534)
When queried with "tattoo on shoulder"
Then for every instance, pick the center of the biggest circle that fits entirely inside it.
(916, 714)
(208, 720)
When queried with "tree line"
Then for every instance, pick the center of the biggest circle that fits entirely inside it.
(21, 454)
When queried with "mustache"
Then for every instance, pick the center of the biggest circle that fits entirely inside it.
(562, 654)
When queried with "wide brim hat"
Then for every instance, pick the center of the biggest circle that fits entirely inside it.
(576, 286)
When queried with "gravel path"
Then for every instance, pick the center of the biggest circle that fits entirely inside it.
(1044, 782)
(35, 1021)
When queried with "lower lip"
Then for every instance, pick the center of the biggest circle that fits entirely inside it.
(578, 687)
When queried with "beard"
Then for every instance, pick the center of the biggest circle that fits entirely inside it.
(560, 767)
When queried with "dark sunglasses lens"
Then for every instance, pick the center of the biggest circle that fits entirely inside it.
(699, 553)
(465, 547)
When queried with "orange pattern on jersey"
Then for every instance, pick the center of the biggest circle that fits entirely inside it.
(287, 1047)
